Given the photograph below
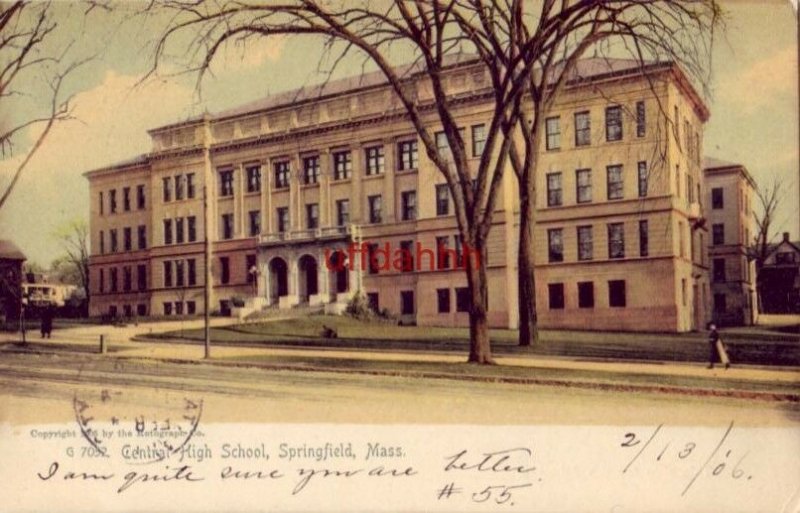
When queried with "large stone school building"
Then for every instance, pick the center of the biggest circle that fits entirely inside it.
(294, 180)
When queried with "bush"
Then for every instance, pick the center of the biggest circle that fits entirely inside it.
(358, 308)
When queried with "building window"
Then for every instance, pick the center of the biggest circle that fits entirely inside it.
(113, 277)
(312, 216)
(373, 301)
(253, 178)
(179, 230)
(644, 239)
(718, 265)
(126, 199)
(555, 244)
(585, 243)
(478, 140)
(614, 183)
(102, 284)
(112, 201)
(689, 188)
(254, 218)
(585, 294)
(642, 179)
(191, 272)
(283, 218)
(442, 252)
(141, 309)
(442, 200)
(190, 185)
(141, 277)
(166, 189)
(555, 293)
(102, 206)
(226, 183)
(342, 165)
(249, 266)
(140, 197)
(583, 129)
(641, 119)
(167, 231)
(614, 123)
(375, 204)
(167, 308)
(342, 212)
(463, 300)
(102, 242)
(720, 303)
(681, 242)
(407, 302)
(583, 181)
(408, 157)
(127, 239)
(616, 293)
(114, 242)
(442, 146)
(373, 266)
(616, 240)
(227, 226)
(375, 160)
(178, 187)
(554, 189)
(443, 300)
(179, 275)
(718, 234)
(225, 270)
(167, 273)
(409, 201)
(407, 256)
(553, 132)
(311, 170)
(191, 227)
(717, 200)
(683, 291)
(127, 279)
(281, 170)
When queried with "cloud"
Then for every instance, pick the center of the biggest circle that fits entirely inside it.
(757, 86)
(112, 119)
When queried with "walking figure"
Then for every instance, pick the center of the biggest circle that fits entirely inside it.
(47, 322)
(715, 348)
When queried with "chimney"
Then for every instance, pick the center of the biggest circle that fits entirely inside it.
(785, 236)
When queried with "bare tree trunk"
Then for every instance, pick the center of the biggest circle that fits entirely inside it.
(480, 350)
(526, 289)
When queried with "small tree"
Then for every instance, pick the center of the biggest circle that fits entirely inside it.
(74, 240)
(769, 197)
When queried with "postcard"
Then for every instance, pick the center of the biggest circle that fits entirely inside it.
(400, 256)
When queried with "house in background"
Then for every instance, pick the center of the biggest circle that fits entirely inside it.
(780, 278)
(11, 259)
(730, 192)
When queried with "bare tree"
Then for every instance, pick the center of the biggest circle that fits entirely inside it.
(27, 55)
(74, 239)
(769, 198)
(528, 56)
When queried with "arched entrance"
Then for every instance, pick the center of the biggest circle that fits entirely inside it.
(339, 273)
(278, 278)
(307, 278)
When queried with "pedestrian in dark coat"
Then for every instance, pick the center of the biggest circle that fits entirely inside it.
(47, 322)
(715, 348)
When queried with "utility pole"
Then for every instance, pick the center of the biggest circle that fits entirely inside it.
(207, 256)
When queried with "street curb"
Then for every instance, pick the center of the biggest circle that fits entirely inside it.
(563, 383)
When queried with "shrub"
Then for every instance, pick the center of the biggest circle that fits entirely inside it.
(358, 308)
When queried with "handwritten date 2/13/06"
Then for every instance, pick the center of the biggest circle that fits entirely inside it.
(715, 460)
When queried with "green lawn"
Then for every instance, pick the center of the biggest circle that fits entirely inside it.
(755, 346)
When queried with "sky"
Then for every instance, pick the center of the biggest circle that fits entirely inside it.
(753, 103)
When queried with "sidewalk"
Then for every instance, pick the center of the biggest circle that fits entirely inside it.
(670, 377)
